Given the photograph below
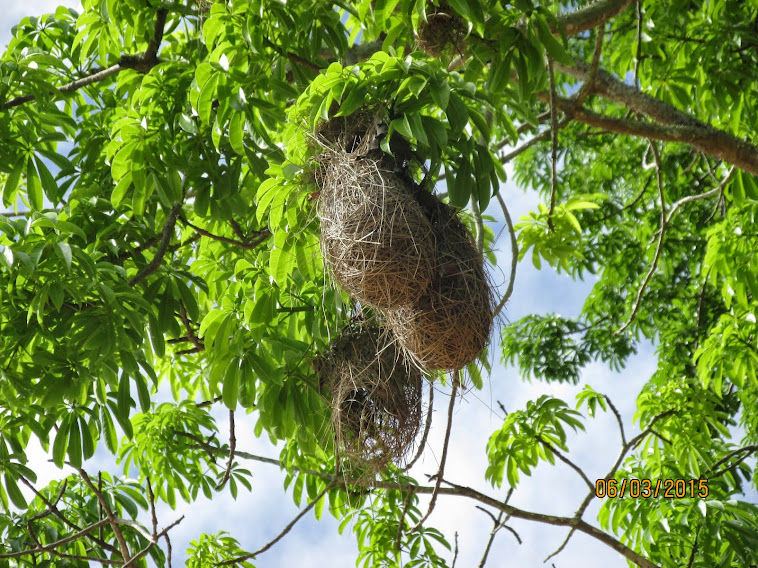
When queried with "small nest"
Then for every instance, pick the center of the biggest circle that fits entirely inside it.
(451, 323)
(442, 29)
(375, 397)
(375, 238)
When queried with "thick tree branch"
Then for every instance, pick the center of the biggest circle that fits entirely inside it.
(670, 124)
(591, 16)
(463, 491)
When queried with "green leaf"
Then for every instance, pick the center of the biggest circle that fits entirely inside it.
(457, 114)
(60, 444)
(553, 46)
(17, 498)
(33, 187)
(48, 181)
(64, 250)
(75, 444)
(230, 390)
(88, 443)
(11, 184)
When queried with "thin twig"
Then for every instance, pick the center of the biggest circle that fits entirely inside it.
(455, 553)
(248, 243)
(746, 450)
(151, 497)
(57, 543)
(282, 534)
(479, 225)
(659, 246)
(553, 143)
(567, 461)
(587, 86)
(427, 427)
(168, 232)
(191, 336)
(152, 543)
(707, 194)
(618, 418)
(401, 522)
(110, 517)
(558, 550)
(638, 55)
(514, 256)
(232, 447)
(443, 458)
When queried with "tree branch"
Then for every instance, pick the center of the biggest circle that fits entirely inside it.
(746, 450)
(514, 257)
(659, 246)
(57, 543)
(282, 534)
(232, 447)
(462, 491)
(168, 232)
(671, 124)
(142, 63)
(427, 427)
(249, 243)
(110, 517)
(567, 461)
(591, 16)
(443, 458)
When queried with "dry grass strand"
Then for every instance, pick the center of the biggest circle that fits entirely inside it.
(375, 397)
(451, 323)
(374, 236)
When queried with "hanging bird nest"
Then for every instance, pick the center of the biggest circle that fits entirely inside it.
(451, 323)
(375, 397)
(374, 236)
(443, 29)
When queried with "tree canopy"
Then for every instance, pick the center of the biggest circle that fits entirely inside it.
(159, 169)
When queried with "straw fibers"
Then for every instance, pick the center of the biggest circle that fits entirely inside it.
(375, 397)
(375, 238)
(443, 28)
(450, 324)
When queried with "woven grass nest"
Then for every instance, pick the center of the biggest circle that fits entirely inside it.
(443, 28)
(375, 238)
(451, 323)
(375, 397)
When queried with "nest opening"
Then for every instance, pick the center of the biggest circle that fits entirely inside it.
(374, 236)
(451, 323)
(375, 397)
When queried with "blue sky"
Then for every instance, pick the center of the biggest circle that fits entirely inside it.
(257, 517)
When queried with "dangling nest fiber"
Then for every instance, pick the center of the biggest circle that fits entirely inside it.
(375, 397)
(375, 238)
(451, 323)
(443, 28)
